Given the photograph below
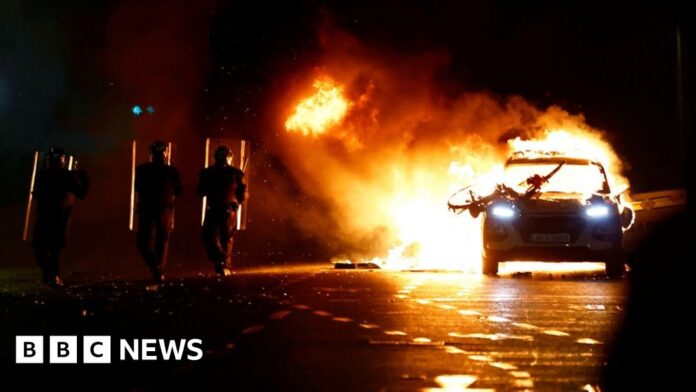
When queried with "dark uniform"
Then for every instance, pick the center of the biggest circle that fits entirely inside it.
(157, 185)
(55, 191)
(225, 189)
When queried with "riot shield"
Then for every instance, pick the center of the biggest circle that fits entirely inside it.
(30, 199)
(241, 149)
(140, 153)
(28, 216)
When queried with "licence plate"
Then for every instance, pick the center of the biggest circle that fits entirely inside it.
(551, 238)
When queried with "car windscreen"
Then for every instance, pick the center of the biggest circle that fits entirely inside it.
(571, 178)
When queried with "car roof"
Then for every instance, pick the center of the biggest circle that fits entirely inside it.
(554, 160)
(547, 157)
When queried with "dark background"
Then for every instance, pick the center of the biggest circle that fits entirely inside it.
(71, 70)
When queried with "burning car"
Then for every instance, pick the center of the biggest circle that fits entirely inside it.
(551, 207)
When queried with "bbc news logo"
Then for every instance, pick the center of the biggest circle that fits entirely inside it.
(97, 349)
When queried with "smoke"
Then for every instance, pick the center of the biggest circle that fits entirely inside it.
(411, 137)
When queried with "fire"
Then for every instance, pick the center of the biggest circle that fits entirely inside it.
(393, 193)
(323, 110)
(577, 144)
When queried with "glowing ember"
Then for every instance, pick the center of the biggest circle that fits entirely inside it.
(323, 110)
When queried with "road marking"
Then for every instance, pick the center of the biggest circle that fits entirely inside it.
(493, 336)
(481, 358)
(454, 350)
(498, 319)
(279, 315)
(595, 307)
(342, 319)
(554, 332)
(445, 299)
(395, 333)
(524, 383)
(467, 312)
(253, 329)
(588, 341)
(590, 388)
(525, 325)
(522, 379)
(503, 365)
(520, 374)
(404, 343)
(456, 382)
(419, 377)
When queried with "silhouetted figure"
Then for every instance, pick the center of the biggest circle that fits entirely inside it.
(225, 189)
(55, 191)
(157, 185)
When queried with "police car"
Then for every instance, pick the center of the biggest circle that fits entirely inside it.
(551, 207)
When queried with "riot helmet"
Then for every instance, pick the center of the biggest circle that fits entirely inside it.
(223, 156)
(55, 158)
(158, 151)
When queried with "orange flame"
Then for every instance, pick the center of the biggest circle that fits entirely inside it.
(324, 109)
(404, 191)
(578, 144)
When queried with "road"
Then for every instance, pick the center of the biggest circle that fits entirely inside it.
(310, 327)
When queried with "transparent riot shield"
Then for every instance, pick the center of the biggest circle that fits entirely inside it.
(71, 163)
(241, 149)
(30, 199)
(140, 153)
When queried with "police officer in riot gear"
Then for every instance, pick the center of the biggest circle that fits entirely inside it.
(157, 185)
(225, 189)
(55, 191)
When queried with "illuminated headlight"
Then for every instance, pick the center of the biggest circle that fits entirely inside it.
(502, 211)
(599, 211)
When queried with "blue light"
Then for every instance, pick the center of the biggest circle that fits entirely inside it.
(150, 109)
(599, 211)
(137, 110)
(502, 211)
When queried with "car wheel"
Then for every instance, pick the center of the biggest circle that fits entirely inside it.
(490, 266)
(614, 266)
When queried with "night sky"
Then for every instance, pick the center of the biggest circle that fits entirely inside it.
(71, 70)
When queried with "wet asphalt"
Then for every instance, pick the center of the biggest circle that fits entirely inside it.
(311, 327)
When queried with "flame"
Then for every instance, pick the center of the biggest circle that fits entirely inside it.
(577, 144)
(324, 109)
(402, 190)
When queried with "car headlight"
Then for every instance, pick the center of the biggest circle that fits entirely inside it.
(502, 211)
(598, 211)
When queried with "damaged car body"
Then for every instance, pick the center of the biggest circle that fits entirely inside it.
(551, 207)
